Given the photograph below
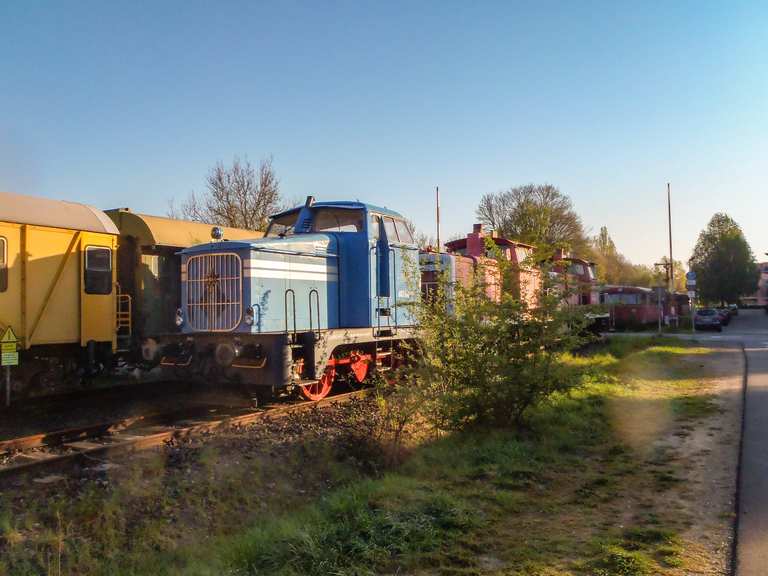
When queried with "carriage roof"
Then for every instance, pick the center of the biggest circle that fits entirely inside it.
(38, 211)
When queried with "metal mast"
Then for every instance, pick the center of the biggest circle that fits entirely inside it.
(671, 274)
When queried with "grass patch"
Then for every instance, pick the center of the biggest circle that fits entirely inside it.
(355, 531)
(614, 560)
(694, 407)
(542, 500)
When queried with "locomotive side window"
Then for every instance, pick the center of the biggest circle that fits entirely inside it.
(403, 232)
(373, 227)
(98, 270)
(389, 228)
(3, 264)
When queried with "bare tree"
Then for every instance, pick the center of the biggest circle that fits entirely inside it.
(238, 195)
(537, 214)
(422, 240)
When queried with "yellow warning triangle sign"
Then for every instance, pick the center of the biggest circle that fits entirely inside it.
(9, 336)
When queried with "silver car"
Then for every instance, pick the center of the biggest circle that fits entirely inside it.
(707, 318)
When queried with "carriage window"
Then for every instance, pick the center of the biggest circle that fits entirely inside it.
(403, 232)
(98, 270)
(3, 264)
(389, 228)
(338, 221)
(522, 254)
(632, 299)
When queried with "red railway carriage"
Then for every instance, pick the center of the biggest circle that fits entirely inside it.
(527, 278)
(578, 278)
(630, 305)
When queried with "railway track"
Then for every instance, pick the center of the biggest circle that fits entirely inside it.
(92, 444)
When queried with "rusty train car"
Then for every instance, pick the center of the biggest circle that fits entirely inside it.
(80, 286)
(465, 257)
(631, 306)
(636, 306)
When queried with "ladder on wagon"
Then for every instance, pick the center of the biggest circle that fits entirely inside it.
(123, 321)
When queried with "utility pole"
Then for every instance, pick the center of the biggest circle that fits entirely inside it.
(437, 205)
(671, 269)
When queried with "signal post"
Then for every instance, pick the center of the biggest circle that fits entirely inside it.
(9, 356)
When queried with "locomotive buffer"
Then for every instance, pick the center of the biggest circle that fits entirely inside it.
(9, 356)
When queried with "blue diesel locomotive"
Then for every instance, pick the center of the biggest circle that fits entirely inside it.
(325, 292)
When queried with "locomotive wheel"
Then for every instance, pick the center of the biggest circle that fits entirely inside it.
(321, 388)
(359, 368)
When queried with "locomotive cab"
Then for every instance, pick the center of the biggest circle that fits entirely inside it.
(326, 290)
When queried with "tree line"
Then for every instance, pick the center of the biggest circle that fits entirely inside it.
(542, 215)
(244, 196)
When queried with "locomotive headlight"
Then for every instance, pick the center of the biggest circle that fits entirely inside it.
(249, 316)
(179, 317)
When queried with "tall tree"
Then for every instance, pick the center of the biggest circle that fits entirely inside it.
(613, 267)
(678, 274)
(723, 262)
(238, 195)
(535, 213)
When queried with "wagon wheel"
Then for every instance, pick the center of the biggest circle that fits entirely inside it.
(321, 388)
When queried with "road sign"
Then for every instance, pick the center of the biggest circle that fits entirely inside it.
(691, 294)
(8, 348)
(9, 336)
(691, 276)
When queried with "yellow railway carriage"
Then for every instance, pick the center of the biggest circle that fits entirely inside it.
(149, 273)
(57, 286)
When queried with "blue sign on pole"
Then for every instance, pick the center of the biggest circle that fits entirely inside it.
(690, 276)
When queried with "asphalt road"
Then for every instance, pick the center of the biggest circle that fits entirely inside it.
(752, 538)
(750, 328)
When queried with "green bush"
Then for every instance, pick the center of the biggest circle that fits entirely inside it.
(487, 360)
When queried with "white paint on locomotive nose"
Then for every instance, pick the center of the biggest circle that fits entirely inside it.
(291, 275)
(281, 270)
(293, 266)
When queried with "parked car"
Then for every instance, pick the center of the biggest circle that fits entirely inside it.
(725, 316)
(708, 318)
(734, 308)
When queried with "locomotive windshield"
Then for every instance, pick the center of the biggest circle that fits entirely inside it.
(338, 220)
(283, 225)
(323, 220)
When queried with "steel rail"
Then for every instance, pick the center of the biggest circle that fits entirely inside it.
(120, 439)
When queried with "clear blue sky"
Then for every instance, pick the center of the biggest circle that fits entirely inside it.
(129, 104)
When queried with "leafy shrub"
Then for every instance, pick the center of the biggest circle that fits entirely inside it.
(487, 356)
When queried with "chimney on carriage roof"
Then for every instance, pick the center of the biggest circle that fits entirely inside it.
(475, 241)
